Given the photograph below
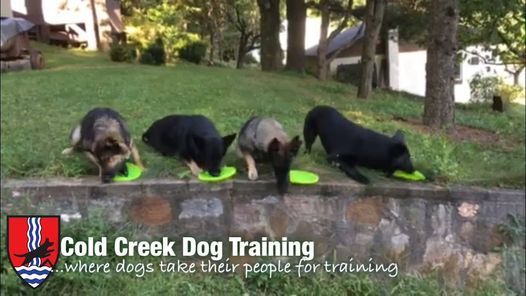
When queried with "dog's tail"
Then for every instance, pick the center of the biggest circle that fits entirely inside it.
(310, 131)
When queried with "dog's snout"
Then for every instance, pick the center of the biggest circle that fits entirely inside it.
(214, 173)
(106, 178)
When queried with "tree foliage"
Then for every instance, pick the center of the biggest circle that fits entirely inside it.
(164, 20)
(498, 25)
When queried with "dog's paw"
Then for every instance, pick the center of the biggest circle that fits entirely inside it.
(67, 151)
(333, 159)
(362, 180)
(195, 170)
(253, 175)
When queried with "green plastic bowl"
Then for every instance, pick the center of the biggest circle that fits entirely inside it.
(226, 173)
(134, 172)
(415, 176)
(303, 177)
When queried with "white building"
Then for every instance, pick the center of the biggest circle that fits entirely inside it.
(402, 65)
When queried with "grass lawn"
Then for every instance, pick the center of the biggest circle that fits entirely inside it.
(39, 108)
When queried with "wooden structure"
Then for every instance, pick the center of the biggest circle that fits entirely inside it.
(16, 54)
(93, 23)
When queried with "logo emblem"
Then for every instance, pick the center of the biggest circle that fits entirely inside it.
(33, 244)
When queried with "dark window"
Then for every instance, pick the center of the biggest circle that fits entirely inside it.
(474, 61)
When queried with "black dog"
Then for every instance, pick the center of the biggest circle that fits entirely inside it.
(41, 252)
(193, 138)
(348, 144)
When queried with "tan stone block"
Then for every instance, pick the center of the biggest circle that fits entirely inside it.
(365, 211)
(152, 211)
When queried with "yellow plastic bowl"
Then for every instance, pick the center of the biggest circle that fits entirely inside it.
(134, 172)
(303, 177)
(226, 173)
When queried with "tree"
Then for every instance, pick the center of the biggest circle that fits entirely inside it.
(216, 23)
(373, 23)
(207, 18)
(500, 26)
(296, 17)
(242, 15)
(330, 9)
(270, 24)
(441, 53)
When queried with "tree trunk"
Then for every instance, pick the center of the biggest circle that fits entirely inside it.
(241, 50)
(373, 22)
(269, 25)
(212, 47)
(323, 44)
(439, 107)
(217, 28)
(93, 27)
(296, 16)
(517, 75)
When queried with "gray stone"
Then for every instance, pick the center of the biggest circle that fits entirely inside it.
(201, 208)
(420, 226)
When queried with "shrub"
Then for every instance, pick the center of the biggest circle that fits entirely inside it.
(484, 88)
(193, 52)
(154, 54)
(511, 93)
(122, 53)
(159, 19)
(147, 59)
(250, 59)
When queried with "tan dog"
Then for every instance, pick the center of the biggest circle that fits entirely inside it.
(104, 138)
(263, 139)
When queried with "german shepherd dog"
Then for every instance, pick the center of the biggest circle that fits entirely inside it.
(104, 138)
(192, 138)
(264, 140)
(348, 144)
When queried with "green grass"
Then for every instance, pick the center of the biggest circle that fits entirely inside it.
(157, 283)
(39, 108)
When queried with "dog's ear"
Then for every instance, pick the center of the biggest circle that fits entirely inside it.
(227, 140)
(294, 145)
(399, 136)
(274, 146)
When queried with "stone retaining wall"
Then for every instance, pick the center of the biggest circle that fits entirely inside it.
(419, 226)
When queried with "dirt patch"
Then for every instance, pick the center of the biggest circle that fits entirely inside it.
(463, 133)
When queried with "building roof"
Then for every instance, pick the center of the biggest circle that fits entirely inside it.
(344, 39)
